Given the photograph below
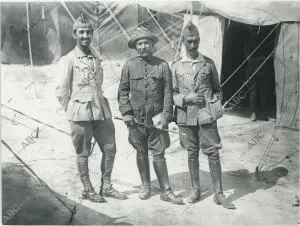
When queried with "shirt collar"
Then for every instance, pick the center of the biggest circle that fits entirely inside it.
(80, 53)
(148, 60)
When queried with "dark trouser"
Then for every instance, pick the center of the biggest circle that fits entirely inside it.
(144, 139)
(261, 85)
(207, 138)
(104, 133)
(258, 96)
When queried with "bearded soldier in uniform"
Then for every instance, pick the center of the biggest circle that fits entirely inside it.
(195, 84)
(145, 91)
(79, 92)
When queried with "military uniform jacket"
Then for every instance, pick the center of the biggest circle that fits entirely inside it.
(145, 89)
(200, 76)
(79, 87)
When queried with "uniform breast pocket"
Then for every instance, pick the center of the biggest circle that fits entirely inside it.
(136, 81)
(155, 80)
(185, 81)
(204, 77)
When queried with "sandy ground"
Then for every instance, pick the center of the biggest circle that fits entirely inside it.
(267, 200)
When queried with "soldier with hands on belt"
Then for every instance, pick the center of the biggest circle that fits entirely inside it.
(145, 91)
(79, 92)
(195, 84)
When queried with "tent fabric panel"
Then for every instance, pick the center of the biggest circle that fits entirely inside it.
(52, 38)
(14, 40)
(108, 37)
(249, 12)
(211, 29)
(257, 12)
(287, 73)
(197, 7)
(171, 27)
(166, 6)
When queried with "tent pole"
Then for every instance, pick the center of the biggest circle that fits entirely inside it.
(28, 33)
(112, 14)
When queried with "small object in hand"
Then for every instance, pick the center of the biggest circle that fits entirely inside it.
(160, 122)
(156, 119)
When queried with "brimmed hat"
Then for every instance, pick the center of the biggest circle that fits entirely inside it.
(139, 33)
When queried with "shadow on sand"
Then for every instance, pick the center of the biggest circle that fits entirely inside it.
(240, 181)
(26, 202)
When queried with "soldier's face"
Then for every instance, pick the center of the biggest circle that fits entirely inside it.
(144, 47)
(191, 43)
(83, 36)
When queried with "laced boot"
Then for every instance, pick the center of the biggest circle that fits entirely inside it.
(111, 192)
(161, 171)
(106, 188)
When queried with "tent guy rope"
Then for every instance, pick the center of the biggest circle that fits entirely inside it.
(234, 72)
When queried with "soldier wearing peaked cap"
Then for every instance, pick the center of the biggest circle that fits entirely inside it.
(79, 92)
(145, 91)
(196, 94)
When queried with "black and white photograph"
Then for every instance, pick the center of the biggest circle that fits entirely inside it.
(150, 112)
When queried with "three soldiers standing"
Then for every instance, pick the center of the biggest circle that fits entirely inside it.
(145, 91)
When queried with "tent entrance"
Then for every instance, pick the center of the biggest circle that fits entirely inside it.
(240, 40)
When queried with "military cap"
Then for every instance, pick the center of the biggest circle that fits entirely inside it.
(140, 33)
(190, 30)
(82, 22)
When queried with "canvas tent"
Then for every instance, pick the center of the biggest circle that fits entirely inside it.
(51, 26)
(51, 29)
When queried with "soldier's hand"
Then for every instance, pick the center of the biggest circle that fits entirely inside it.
(64, 101)
(129, 120)
(162, 124)
(194, 98)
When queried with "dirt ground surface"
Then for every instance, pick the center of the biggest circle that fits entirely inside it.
(270, 199)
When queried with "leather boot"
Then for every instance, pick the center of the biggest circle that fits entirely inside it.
(216, 175)
(88, 192)
(106, 188)
(195, 179)
(144, 170)
(160, 168)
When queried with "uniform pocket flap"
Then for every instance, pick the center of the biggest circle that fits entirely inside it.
(136, 76)
(155, 73)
